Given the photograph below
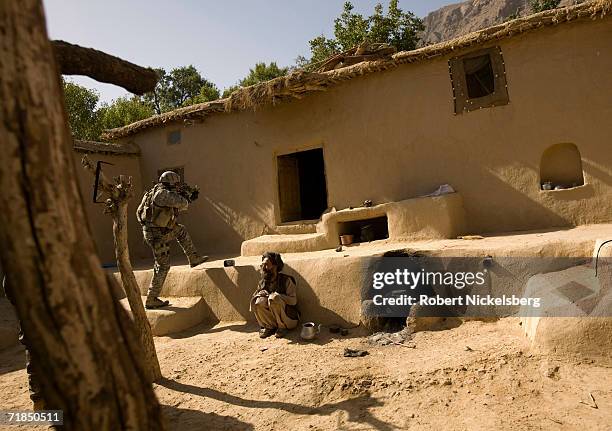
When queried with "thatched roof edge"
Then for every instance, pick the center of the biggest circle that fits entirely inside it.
(105, 148)
(300, 83)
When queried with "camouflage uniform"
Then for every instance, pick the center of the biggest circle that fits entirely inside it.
(33, 386)
(161, 228)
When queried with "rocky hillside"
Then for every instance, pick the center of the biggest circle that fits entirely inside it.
(462, 18)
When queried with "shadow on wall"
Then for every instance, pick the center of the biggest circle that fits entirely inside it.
(507, 206)
(237, 288)
(232, 227)
(598, 171)
(310, 306)
(239, 283)
(559, 165)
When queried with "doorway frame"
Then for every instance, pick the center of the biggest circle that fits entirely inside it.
(276, 154)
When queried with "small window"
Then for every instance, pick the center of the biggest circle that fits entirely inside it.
(174, 137)
(561, 167)
(479, 76)
(179, 170)
(478, 80)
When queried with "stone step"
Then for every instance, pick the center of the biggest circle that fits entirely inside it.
(286, 243)
(296, 228)
(182, 313)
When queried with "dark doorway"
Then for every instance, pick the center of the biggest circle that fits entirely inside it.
(302, 190)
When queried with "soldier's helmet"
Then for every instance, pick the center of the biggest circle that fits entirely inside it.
(170, 177)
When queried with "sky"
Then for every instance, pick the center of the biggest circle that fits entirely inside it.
(223, 39)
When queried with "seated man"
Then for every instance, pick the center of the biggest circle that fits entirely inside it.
(274, 302)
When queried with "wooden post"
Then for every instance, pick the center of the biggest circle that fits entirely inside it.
(76, 60)
(87, 355)
(117, 206)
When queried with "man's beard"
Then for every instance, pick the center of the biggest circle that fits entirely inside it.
(268, 275)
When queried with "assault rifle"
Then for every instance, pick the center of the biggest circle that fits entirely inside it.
(191, 193)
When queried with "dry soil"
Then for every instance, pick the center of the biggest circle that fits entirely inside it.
(478, 376)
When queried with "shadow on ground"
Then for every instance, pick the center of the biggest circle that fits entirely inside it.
(211, 328)
(193, 420)
(293, 336)
(12, 359)
(356, 408)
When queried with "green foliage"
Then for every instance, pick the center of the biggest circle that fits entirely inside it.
(87, 120)
(123, 111)
(180, 87)
(81, 105)
(260, 73)
(183, 86)
(397, 28)
(320, 49)
(542, 5)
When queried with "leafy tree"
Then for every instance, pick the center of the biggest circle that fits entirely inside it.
(180, 87)
(123, 111)
(260, 73)
(81, 105)
(183, 86)
(542, 5)
(397, 28)
(87, 119)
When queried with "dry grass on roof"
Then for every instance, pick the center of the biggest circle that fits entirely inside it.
(301, 83)
(105, 147)
(298, 84)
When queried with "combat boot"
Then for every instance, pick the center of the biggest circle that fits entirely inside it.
(197, 260)
(153, 303)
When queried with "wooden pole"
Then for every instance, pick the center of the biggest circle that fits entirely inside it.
(77, 60)
(117, 206)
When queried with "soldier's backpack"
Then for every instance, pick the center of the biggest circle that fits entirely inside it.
(144, 213)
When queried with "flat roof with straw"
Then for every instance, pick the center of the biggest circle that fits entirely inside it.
(300, 83)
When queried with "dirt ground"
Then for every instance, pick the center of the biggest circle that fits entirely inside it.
(477, 376)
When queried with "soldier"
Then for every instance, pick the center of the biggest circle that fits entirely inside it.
(157, 214)
(274, 302)
(33, 386)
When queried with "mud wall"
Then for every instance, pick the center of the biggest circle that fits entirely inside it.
(100, 224)
(393, 135)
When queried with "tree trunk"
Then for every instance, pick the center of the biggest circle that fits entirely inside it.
(83, 342)
(132, 291)
(117, 205)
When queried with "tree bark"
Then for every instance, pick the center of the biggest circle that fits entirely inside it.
(87, 352)
(117, 205)
(76, 60)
